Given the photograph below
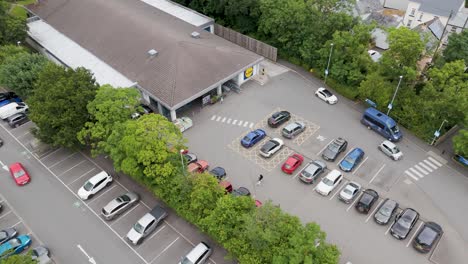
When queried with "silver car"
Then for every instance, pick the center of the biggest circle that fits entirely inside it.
(391, 150)
(119, 205)
(349, 192)
(198, 255)
(312, 171)
(293, 129)
(146, 225)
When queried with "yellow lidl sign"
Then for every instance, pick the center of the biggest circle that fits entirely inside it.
(248, 73)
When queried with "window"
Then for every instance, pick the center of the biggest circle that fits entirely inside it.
(420, 17)
(412, 12)
(409, 23)
(453, 29)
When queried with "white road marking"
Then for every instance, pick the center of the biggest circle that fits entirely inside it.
(360, 165)
(229, 121)
(164, 250)
(101, 194)
(246, 124)
(213, 117)
(389, 227)
(435, 161)
(355, 200)
(240, 122)
(324, 147)
(29, 132)
(224, 119)
(421, 169)
(339, 190)
(375, 176)
(234, 122)
(81, 176)
(373, 211)
(430, 164)
(71, 168)
(412, 237)
(407, 181)
(425, 167)
(411, 175)
(157, 231)
(217, 119)
(416, 172)
(55, 164)
(16, 224)
(5, 214)
(126, 213)
(297, 173)
(90, 259)
(51, 153)
(251, 125)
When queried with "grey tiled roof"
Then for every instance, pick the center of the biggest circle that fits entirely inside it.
(439, 7)
(121, 32)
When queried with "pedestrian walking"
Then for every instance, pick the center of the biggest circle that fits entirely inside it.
(260, 179)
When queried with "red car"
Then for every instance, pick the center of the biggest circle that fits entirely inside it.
(19, 174)
(198, 167)
(292, 163)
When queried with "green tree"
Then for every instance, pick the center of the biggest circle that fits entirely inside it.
(58, 104)
(457, 47)
(12, 29)
(8, 51)
(109, 110)
(19, 72)
(19, 259)
(460, 141)
(376, 88)
(204, 195)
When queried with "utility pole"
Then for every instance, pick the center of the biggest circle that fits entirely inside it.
(390, 105)
(328, 65)
(441, 37)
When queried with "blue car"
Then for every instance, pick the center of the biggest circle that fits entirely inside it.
(253, 138)
(352, 159)
(11, 100)
(14, 246)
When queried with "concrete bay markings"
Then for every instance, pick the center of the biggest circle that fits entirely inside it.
(373, 211)
(339, 189)
(359, 166)
(126, 213)
(355, 200)
(412, 237)
(375, 176)
(164, 250)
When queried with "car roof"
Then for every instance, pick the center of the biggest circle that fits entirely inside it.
(197, 251)
(203, 163)
(16, 166)
(146, 219)
(374, 113)
(332, 175)
(101, 175)
(410, 212)
(389, 144)
(355, 152)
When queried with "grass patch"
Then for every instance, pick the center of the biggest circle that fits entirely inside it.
(19, 11)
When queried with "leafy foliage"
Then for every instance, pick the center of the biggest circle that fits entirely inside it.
(460, 142)
(457, 47)
(18, 259)
(8, 51)
(12, 28)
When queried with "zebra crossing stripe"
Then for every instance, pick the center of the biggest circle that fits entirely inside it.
(430, 164)
(217, 119)
(251, 125)
(229, 121)
(416, 172)
(411, 175)
(224, 119)
(246, 124)
(240, 123)
(234, 122)
(435, 161)
(421, 170)
(425, 167)
(213, 117)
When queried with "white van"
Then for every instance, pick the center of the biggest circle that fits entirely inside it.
(12, 109)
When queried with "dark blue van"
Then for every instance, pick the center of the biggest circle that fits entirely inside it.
(381, 123)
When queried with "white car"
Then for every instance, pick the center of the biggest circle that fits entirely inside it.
(326, 96)
(328, 184)
(183, 123)
(94, 185)
(349, 192)
(271, 147)
(375, 55)
(391, 150)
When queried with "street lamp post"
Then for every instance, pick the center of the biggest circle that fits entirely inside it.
(390, 105)
(328, 65)
(182, 160)
(437, 132)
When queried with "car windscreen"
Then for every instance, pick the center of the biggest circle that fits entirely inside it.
(3, 235)
(348, 191)
(327, 93)
(268, 146)
(395, 129)
(139, 228)
(327, 181)
(186, 261)
(247, 138)
(19, 173)
(15, 242)
(333, 147)
(385, 210)
(88, 186)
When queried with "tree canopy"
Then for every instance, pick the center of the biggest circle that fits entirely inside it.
(457, 47)
(12, 29)
(18, 259)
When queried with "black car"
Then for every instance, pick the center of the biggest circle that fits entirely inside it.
(385, 212)
(367, 200)
(279, 118)
(334, 149)
(190, 157)
(1, 142)
(241, 191)
(427, 237)
(404, 222)
(17, 120)
(7, 234)
(218, 172)
(7, 95)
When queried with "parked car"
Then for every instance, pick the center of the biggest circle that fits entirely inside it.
(404, 222)
(293, 129)
(312, 171)
(7, 234)
(329, 182)
(350, 192)
(253, 138)
(279, 118)
(19, 174)
(1, 142)
(375, 55)
(334, 149)
(241, 191)
(11, 100)
(227, 186)
(14, 246)
(427, 237)
(292, 163)
(385, 212)
(17, 120)
(218, 172)
(366, 201)
(352, 159)
(198, 255)
(183, 123)
(271, 147)
(41, 255)
(146, 225)
(119, 205)
(198, 166)
(190, 157)
(7, 95)
(326, 96)
(13, 108)
(391, 150)
(94, 185)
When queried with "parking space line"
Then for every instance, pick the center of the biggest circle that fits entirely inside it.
(5, 214)
(412, 237)
(164, 250)
(51, 153)
(58, 162)
(298, 173)
(97, 197)
(373, 211)
(16, 224)
(388, 229)
(339, 190)
(416, 172)
(81, 176)
(71, 168)
(126, 213)
(375, 176)
(29, 132)
(411, 175)
(360, 165)
(355, 200)
(157, 231)
(324, 147)
(177, 231)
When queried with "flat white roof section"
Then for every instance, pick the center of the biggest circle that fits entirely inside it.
(176, 10)
(73, 55)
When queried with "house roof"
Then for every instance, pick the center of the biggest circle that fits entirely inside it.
(121, 32)
(396, 4)
(439, 7)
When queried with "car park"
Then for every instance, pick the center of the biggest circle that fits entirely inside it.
(366, 201)
(146, 225)
(351, 160)
(41, 255)
(329, 182)
(391, 150)
(218, 172)
(198, 255)
(292, 163)
(271, 147)
(293, 129)
(14, 246)
(333, 149)
(326, 95)
(253, 138)
(12, 108)
(198, 166)
(19, 174)
(426, 238)
(241, 191)
(404, 222)
(7, 234)
(279, 118)
(190, 157)
(94, 185)
(350, 192)
(311, 172)
(385, 212)
(17, 120)
(119, 205)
